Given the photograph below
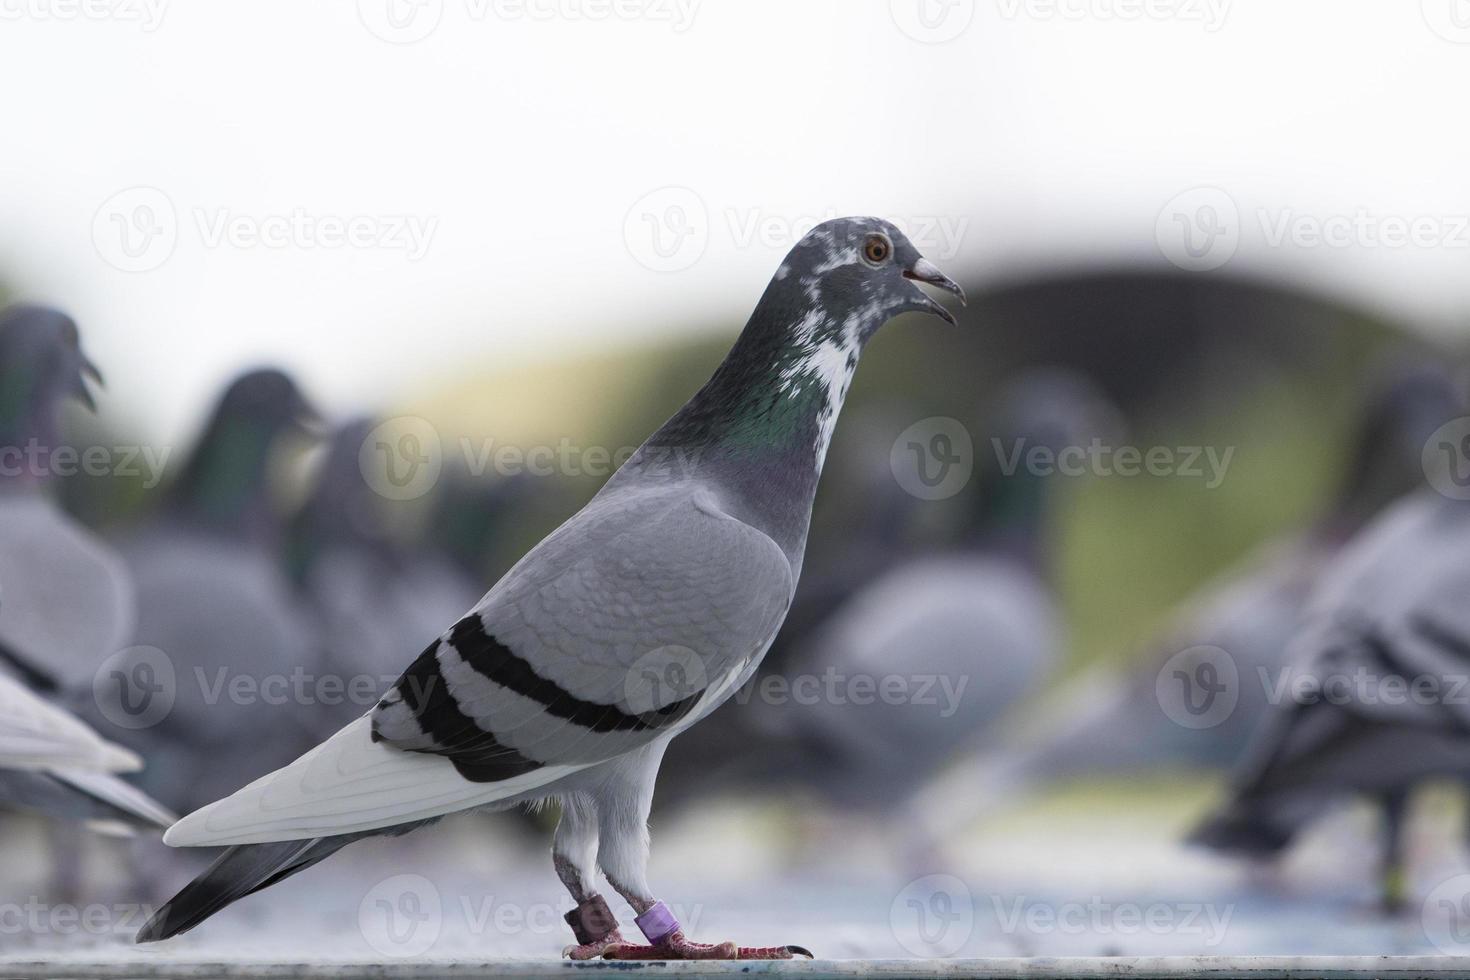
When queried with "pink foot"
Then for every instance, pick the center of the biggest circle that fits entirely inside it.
(592, 950)
(676, 946)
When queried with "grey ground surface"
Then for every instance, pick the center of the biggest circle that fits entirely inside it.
(1089, 872)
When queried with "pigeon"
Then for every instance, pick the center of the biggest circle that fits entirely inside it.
(68, 606)
(630, 622)
(1108, 722)
(220, 641)
(69, 600)
(1373, 700)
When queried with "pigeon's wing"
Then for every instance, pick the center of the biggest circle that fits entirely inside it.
(100, 799)
(35, 734)
(625, 625)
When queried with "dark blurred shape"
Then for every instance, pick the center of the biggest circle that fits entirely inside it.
(239, 675)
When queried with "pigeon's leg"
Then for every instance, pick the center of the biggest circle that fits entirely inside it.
(574, 853)
(1392, 881)
(622, 852)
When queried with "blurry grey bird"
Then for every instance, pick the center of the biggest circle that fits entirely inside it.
(69, 602)
(1372, 700)
(942, 646)
(366, 595)
(54, 765)
(633, 620)
(214, 598)
(1107, 722)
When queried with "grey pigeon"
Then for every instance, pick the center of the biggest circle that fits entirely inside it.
(1107, 722)
(232, 652)
(69, 603)
(1374, 698)
(629, 623)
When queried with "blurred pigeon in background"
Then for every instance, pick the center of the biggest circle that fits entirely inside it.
(54, 765)
(233, 655)
(366, 595)
(1373, 699)
(632, 621)
(915, 668)
(69, 602)
(1105, 722)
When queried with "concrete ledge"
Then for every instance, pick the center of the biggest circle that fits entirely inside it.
(1081, 968)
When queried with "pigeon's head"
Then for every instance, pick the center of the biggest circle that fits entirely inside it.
(858, 273)
(41, 361)
(268, 400)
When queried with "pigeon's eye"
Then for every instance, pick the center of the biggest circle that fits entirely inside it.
(877, 249)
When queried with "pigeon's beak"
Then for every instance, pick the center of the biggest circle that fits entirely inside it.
(88, 370)
(927, 272)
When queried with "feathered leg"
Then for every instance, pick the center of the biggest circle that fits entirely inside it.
(622, 852)
(574, 853)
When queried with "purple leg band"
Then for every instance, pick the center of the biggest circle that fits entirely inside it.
(657, 923)
(591, 921)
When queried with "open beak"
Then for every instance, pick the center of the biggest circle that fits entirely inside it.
(84, 394)
(927, 272)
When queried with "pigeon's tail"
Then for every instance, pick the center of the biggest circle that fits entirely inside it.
(243, 870)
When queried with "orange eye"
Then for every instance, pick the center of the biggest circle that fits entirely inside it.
(877, 249)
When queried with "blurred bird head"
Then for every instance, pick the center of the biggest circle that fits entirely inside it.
(41, 363)
(268, 399)
(861, 272)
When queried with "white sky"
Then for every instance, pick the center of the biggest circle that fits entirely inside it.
(1052, 133)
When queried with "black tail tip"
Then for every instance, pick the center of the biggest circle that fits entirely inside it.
(156, 929)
